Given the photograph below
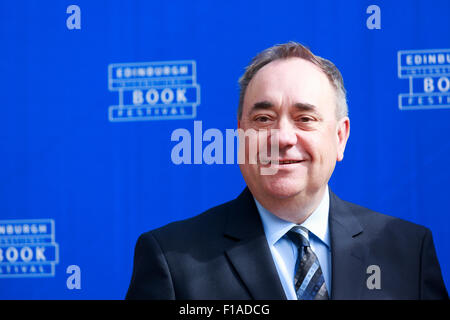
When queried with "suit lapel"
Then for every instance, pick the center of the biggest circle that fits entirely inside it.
(251, 257)
(347, 251)
(249, 253)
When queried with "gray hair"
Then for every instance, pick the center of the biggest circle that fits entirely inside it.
(295, 50)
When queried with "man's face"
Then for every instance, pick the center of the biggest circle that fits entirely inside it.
(296, 98)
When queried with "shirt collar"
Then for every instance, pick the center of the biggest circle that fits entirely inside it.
(317, 223)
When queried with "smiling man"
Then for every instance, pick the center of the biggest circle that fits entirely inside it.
(294, 97)
(287, 236)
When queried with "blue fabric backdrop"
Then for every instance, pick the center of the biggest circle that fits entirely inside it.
(78, 186)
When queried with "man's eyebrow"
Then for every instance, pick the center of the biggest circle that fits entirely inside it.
(262, 105)
(300, 106)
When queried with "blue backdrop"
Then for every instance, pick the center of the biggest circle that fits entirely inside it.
(85, 126)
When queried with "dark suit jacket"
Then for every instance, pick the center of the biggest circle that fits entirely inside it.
(223, 254)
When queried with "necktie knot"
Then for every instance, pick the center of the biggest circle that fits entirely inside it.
(300, 236)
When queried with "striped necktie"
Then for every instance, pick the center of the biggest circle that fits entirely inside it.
(309, 281)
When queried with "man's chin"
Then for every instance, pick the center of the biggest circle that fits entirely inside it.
(282, 192)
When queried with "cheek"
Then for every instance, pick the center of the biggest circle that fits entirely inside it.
(322, 148)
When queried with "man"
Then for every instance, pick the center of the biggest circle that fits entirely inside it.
(287, 236)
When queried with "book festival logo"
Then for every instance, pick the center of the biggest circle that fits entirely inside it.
(428, 73)
(28, 248)
(159, 90)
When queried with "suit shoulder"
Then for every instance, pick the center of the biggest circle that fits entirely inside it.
(197, 228)
(375, 220)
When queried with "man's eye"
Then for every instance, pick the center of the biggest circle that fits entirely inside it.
(306, 119)
(262, 119)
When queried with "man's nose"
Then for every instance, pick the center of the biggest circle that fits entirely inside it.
(286, 133)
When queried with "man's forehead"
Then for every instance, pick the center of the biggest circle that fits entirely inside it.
(289, 66)
(296, 78)
(291, 76)
(292, 83)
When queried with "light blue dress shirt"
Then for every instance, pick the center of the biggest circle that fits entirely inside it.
(284, 251)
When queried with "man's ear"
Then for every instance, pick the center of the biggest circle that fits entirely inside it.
(343, 132)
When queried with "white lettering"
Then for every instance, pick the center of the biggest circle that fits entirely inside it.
(167, 95)
(215, 147)
(152, 96)
(26, 254)
(40, 254)
(417, 59)
(252, 146)
(74, 20)
(18, 229)
(42, 228)
(34, 229)
(428, 85)
(409, 60)
(74, 280)
(431, 58)
(138, 97)
(11, 254)
(443, 84)
(183, 147)
(374, 280)
(373, 21)
(181, 95)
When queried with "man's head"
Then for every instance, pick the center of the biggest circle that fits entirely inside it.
(300, 98)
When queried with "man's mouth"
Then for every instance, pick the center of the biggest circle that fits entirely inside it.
(285, 162)
(289, 161)
(282, 162)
